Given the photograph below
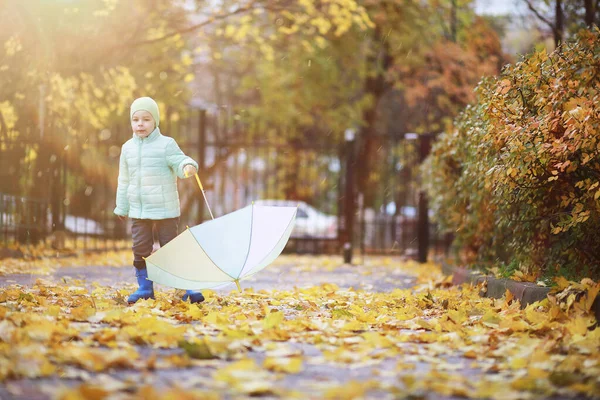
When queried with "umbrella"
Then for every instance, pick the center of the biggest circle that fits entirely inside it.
(223, 250)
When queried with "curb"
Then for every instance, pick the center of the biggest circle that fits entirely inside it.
(526, 292)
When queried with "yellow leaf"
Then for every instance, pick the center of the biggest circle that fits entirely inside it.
(457, 316)
(82, 313)
(490, 319)
(179, 360)
(341, 314)
(515, 325)
(401, 366)
(591, 294)
(9, 114)
(246, 376)
(425, 324)
(350, 390)
(535, 317)
(537, 373)
(197, 349)
(234, 333)
(215, 318)
(562, 283)
(470, 354)
(245, 364)
(193, 311)
(518, 363)
(289, 365)
(273, 320)
(354, 326)
(524, 384)
(53, 311)
(377, 340)
(85, 391)
(574, 103)
(578, 326)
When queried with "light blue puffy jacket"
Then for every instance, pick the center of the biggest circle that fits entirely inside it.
(148, 171)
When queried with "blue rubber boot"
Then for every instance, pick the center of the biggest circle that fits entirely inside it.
(146, 289)
(195, 297)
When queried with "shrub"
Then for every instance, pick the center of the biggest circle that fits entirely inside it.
(519, 178)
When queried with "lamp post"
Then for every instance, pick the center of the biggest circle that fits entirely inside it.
(349, 203)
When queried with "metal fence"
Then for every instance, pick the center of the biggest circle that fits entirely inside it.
(23, 219)
(56, 187)
(251, 162)
(396, 218)
(318, 171)
(28, 221)
(63, 188)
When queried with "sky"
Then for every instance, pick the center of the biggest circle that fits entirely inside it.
(497, 7)
(519, 37)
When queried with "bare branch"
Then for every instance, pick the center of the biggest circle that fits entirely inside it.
(195, 27)
(539, 16)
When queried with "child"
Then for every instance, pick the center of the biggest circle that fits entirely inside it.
(147, 191)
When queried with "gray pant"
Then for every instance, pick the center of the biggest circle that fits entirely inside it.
(142, 234)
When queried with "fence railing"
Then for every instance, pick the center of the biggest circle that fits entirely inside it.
(397, 234)
(23, 219)
(29, 221)
(239, 163)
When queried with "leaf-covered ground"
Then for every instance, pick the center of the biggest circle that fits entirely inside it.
(306, 327)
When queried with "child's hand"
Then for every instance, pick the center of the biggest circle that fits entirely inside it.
(121, 217)
(189, 170)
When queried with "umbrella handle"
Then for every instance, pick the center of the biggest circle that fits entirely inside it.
(204, 195)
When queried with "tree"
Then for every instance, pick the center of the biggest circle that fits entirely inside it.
(306, 70)
(432, 75)
(291, 70)
(65, 85)
(565, 17)
(312, 73)
(518, 180)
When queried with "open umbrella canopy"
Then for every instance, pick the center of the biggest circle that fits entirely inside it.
(224, 250)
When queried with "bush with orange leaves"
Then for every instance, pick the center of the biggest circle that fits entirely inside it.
(518, 181)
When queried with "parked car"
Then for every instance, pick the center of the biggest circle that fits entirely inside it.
(310, 222)
(81, 225)
(409, 212)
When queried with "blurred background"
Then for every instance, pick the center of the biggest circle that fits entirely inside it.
(331, 105)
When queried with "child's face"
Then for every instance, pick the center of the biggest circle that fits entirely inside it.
(142, 123)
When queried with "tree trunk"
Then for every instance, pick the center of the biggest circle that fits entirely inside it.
(375, 86)
(453, 22)
(290, 182)
(559, 24)
(590, 12)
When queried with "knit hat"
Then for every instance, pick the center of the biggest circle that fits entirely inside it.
(145, 104)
